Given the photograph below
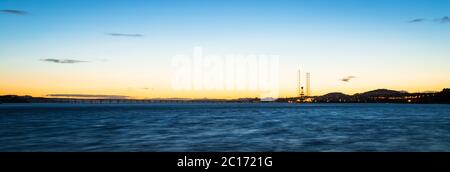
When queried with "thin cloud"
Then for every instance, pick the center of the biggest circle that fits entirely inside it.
(125, 35)
(98, 96)
(348, 78)
(63, 61)
(15, 12)
(443, 20)
(417, 20)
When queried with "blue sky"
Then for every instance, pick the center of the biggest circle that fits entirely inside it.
(371, 39)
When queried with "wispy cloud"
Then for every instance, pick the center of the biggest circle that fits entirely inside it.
(417, 20)
(90, 96)
(348, 78)
(443, 20)
(125, 35)
(15, 12)
(63, 61)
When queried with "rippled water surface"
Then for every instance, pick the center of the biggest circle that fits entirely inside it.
(224, 127)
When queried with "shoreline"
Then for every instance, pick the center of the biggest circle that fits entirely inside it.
(225, 102)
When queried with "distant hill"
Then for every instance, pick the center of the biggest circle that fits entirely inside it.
(381, 92)
(444, 95)
(15, 99)
(386, 96)
(334, 97)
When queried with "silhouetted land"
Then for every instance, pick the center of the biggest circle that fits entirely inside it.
(375, 96)
(380, 96)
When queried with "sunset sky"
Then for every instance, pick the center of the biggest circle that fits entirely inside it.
(117, 47)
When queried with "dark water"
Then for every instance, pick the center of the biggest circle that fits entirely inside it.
(225, 127)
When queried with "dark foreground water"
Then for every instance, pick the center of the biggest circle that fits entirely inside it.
(225, 127)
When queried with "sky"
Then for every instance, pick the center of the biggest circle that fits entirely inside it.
(126, 48)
